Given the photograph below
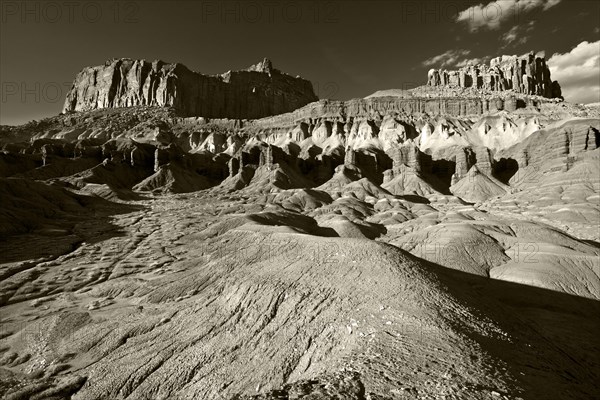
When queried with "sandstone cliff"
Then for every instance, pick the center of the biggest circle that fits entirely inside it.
(256, 92)
(527, 74)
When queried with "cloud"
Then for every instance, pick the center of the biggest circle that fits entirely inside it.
(472, 61)
(446, 59)
(578, 72)
(454, 58)
(550, 3)
(497, 12)
(517, 35)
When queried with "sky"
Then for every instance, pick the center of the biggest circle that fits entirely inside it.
(348, 49)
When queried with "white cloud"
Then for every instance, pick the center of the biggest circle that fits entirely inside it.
(550, 3)
(517, 35)
(511, 35)
(578, 72)
(446, 59)
(472, 61)
(497, 12)
(454, 58)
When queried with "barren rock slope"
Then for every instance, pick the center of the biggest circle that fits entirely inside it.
(160, 242)
(164, 308)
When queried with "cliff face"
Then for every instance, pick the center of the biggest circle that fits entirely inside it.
(379, 106)
(256, 92)
(526, 74)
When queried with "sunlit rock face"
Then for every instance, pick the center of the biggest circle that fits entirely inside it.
(526, 74)
(346, 249)
(256, 92)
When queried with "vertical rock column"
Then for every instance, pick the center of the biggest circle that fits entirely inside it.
(528, 74)
(415, 158)
(523, 159)
(408, 155)
(234, 166)
(350, 157)
(464, 162)
(396, 162)
(484, 160)
(266, 157)
(510, 104)
(46, 151)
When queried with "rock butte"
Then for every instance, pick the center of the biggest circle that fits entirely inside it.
(176, 236)
(256, 92)
(528, 74)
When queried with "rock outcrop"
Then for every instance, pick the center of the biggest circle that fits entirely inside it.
(256, 92)
(359, 249)
(527, 74)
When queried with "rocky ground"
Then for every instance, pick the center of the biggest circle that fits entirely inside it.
(212, 296)
(149, 256)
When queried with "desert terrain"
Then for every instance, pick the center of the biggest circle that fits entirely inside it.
(254, 242)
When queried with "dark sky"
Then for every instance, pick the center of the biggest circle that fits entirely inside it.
(347, 49)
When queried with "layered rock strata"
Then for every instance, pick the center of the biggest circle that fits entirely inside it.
(256, 92)
(527, 74)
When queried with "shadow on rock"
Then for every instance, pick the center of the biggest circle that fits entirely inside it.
(43, 221)
(547, 338)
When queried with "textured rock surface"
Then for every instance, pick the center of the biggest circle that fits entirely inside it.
(528, 74)
(259, 91)
(220, 295)
(383, 248)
